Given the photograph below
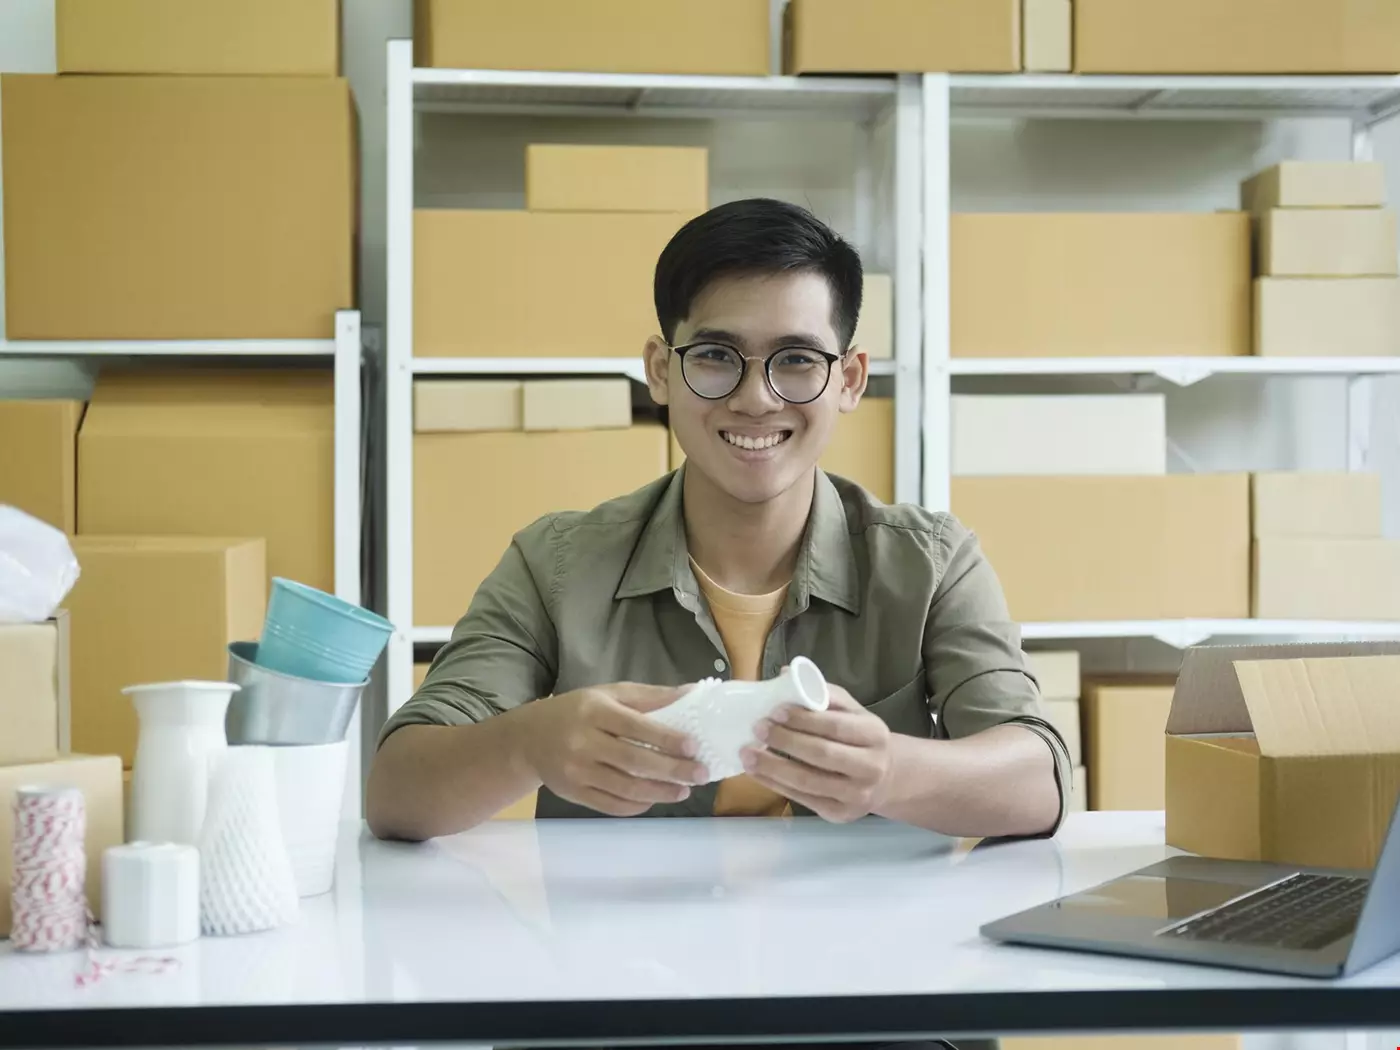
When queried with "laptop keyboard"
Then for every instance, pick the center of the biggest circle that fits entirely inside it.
(1302, 911)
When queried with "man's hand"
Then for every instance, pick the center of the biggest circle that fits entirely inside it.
(583, 747)
(835, 762)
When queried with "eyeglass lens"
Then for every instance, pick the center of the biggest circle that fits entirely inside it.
(797, 374)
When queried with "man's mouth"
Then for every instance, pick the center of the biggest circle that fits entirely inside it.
(756, 442)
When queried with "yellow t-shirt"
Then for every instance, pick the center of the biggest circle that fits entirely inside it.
(744, 621)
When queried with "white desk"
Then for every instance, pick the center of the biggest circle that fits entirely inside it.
(758, 930)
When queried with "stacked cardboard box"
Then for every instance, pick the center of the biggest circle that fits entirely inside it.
(1057, 674)
(1009, 434)
(1326, 261)
(1047, 36)
(902, 36)
(43, 480)
(1124, 722)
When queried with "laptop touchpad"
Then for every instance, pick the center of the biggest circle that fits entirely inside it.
(1153, 897)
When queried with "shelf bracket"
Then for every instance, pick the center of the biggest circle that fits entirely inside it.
(1184, 372)
(1183, 635)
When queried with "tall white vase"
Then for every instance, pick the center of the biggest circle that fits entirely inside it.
(181, 738)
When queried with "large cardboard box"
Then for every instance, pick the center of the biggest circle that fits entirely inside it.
(43, 481)
(264, 37)
(1100, 285)
(1301, 578)
(177, 207)
(902, 36)
(1047, 36)
(862, 448)
(1327, 317)
(1124, 548)
(155, 609)
(1327, 242)
(459, 537)
(1025, 434)
(1241, 36)
(215, 454)
(99, 778)
(1321, 503)
(1124, 723)
(875, 330)
(1285, 753)
(478, 277)
(34, 690)
(1315, 184)
(726, 37)
(1056, 672)
(616, 178)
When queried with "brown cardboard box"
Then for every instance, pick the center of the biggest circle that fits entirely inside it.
(1064, 715)
(1303, 578)
(577, 404)
(1100, 285)
(34, 690)
(727, 37)
(1057, 673)
(616, 178)
(902, 36)
(1327, 317)
(1316, 504)
(875, 330)
(1175, 1041)
(459, 537)
(466, 405)
(1047, 36)
(1117, 548)
(1327, 242)
(44, 480)
(1285, 753)
(155, 609)
(1315, 184)
(100, 781)
(862, 449)
(1241, 36)
(478, 276)
(177, 207)
(214, 454)
(264, 37)
(1124, 722)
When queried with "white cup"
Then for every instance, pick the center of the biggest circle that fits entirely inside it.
(310, 791)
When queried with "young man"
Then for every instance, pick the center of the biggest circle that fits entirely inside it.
(747, 556)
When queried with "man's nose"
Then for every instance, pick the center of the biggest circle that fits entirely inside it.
(754, 396)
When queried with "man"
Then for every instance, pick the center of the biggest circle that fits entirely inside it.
(745, 557)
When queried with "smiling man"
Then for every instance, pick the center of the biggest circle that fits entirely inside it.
(747, 556)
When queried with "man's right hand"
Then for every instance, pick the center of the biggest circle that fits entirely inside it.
(581, 746)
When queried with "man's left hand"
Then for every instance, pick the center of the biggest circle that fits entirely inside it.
(835, 762)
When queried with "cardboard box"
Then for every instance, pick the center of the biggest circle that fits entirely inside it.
(481, 405)
(155, 609)
(100, 781)
(1125, 548)
(1285, 753)
(1327, 242)
(1241, 36)
(478, 277)
(177, 207)
(44, 480)
(1057, 673)
(576, 404)
(875, 329)
(726, 37)
(1064, 715)
(1174, 1041)
(1326, 579)
(264, 37)
(458, 537)
(34, 690)
(1315, 184)
(1316, 504)
(1124, 724)
(215, 454)
(1327, 317)
(1100, 285)
(862, 449)
(616, 178)
(1047, 36)
(1014, 434)
(902, 36)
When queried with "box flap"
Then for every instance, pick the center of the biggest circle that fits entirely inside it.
(1328, 706)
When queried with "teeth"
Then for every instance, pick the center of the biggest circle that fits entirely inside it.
(754, 444)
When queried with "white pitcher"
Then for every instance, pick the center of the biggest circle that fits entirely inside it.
(182, 737)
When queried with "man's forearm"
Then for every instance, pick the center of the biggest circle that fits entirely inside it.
(999, 782)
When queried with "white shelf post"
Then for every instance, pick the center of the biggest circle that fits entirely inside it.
(349, 495)
(907, 223)
(937, 321)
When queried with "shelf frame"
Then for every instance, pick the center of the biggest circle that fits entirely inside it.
(1183, 634)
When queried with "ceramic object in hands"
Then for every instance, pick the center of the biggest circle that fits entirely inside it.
(181, 738)
(720, 716)
(310, 792)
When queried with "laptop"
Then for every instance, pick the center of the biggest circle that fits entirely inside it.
(1309, 922)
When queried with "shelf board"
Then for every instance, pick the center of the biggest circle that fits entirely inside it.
(167, 348)
(1183, 634)
(565, 366)
(1182, 371)
(430, 635)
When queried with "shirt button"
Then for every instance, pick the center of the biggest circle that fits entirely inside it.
(719, 665)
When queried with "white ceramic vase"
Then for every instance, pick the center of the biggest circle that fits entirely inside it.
(310, 793)
(181, 739)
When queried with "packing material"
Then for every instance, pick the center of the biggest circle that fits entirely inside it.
(1327, 317)
(1317, 504)
(1124, 723)
(616, 178)
(902, 36)
(1327, 242)
(43, 481)
(1011, 434)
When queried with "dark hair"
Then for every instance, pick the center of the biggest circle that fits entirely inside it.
(758, 237)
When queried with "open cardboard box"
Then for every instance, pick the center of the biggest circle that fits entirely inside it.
(1285, 753)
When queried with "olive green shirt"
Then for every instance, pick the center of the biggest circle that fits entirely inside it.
(896, 604)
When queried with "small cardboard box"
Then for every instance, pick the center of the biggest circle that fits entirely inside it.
(34, 690)
(616, 178)
(1100, 285)
(462, 406)
(1047, 36)
(1327, 317)
(902, 36)
(1064, 715)
(44, 480)
(1300, 578)
(576, 404)
(1327, 242)
(217, 37)
(724, 37)
(1315, 184)
(1029, 434)
(1317, 504)
(1285, 753)
(1057, 673)
(1124, 720)
(875, 329)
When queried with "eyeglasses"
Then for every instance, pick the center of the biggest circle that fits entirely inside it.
(797, 374)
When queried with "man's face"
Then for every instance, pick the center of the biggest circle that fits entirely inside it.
(752, 444)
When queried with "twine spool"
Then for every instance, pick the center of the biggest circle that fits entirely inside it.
(48, 885)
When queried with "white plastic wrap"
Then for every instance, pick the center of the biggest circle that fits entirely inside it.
(37, 567)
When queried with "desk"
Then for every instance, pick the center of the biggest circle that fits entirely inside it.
(758, 930)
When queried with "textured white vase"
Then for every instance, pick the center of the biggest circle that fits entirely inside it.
(310, 791)
(720, 716)
(246, 881)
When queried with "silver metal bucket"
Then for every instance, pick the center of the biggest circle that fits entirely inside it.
(276, 708)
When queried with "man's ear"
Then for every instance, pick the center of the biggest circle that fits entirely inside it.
(855, 376)
(657, 358)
